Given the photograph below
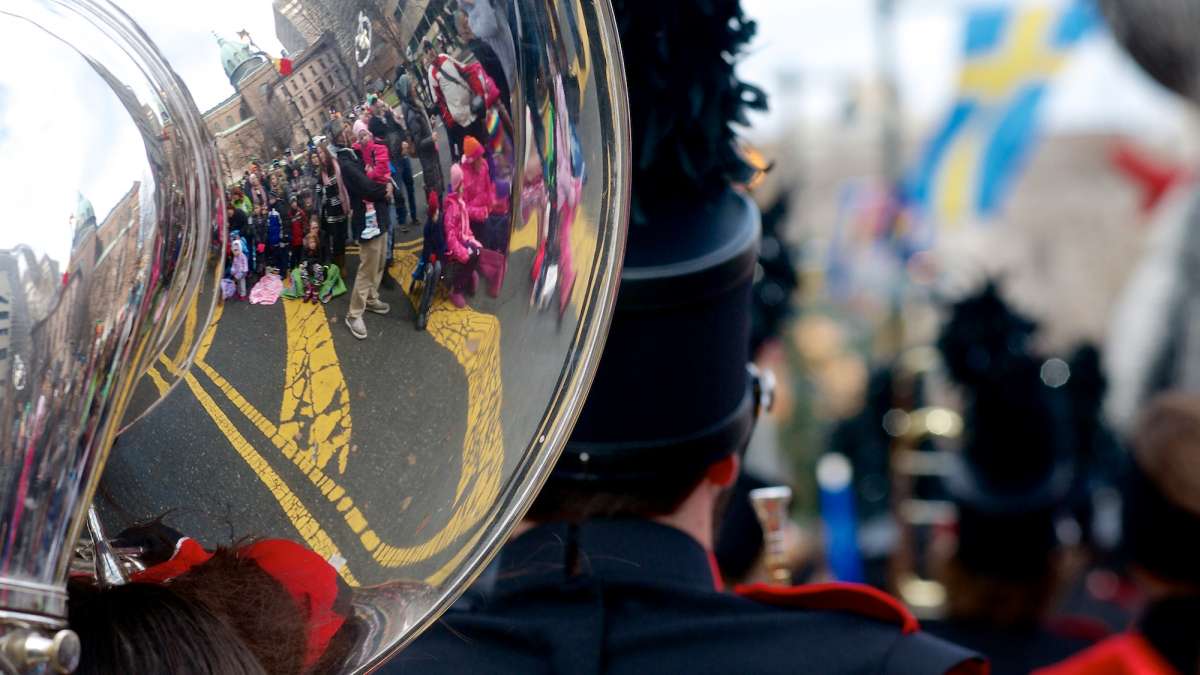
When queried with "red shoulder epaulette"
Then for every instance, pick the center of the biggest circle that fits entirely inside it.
(1127, 654)
(835, 597)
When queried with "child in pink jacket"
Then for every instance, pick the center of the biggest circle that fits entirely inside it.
(374, 154)
(478, 189)
(461, 245)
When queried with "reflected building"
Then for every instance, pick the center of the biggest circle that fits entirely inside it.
(299, 23)
(269, 112)
(9, 285)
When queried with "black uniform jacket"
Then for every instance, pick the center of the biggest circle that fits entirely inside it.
(644, 598)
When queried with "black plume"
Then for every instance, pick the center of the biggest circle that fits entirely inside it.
(684, 98)
(984, 340)
(775, 287)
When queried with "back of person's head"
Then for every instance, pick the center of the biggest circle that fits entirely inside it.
(1162, 496)
(1010, 481)
(254, 603)
(377, 127)
(151, 629)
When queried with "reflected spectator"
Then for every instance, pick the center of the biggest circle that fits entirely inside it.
(486, 55)
(361, 191)
(461, 245)
(464, 92)
(334, 203)
(421, 139)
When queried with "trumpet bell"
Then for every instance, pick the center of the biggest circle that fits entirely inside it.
(230, 353)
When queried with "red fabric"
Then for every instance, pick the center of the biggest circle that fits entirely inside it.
(432, 204)
(310, 581)
(971, 667)
(837, 597)
(718, 580)
(478, 190)
(285, 67)
(1127, 654)
(1154, 178)
(188, 554)
(299, 221)
(1079, 628)
(307, 578)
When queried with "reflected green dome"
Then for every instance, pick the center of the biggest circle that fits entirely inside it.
(238, 59)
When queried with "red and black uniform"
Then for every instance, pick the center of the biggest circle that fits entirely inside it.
(1165, 642)
(632, 596)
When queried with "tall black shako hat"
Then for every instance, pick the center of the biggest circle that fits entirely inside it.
(1016, 464)
(672, 393)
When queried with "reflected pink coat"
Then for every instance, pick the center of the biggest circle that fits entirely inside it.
(458, 228)
(478, 190)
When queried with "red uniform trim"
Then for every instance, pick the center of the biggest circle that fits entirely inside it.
(1127, 654)
(188, 554)
(837, 597)
(715, 568)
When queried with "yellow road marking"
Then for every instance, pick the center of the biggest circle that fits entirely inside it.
(471, 336)
(474, 340)
(189, 331)
(315, 411)
(306, 525)
(159, 383)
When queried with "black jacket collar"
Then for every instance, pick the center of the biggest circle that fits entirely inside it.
(635, 552)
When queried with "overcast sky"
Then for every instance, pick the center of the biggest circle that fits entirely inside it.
(63, 132)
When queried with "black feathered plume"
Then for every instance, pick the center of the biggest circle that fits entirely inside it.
(685, 97)
(1018, 429)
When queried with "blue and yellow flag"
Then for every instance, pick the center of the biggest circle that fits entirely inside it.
(1010, 56)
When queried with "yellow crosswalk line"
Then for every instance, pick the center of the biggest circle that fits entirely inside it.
(317, 403)
(315, 411)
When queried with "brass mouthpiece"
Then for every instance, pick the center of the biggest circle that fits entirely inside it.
(771, 507)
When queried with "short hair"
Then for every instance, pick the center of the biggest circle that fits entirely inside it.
(377, 127)
(564, 500)
(148, 628)
(255, 604)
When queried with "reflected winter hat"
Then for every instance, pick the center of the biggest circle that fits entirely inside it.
(472, 148)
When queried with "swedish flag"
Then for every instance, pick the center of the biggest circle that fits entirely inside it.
(1010, 55)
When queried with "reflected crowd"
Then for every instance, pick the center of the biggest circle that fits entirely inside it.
(440, 140)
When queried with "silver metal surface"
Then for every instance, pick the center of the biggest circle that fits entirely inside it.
(111, 180)
(404, 459)
(107, 564)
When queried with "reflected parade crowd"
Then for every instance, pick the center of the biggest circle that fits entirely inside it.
(289, 223)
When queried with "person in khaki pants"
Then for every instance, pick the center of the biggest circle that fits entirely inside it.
(372, 252)
(365, 296)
